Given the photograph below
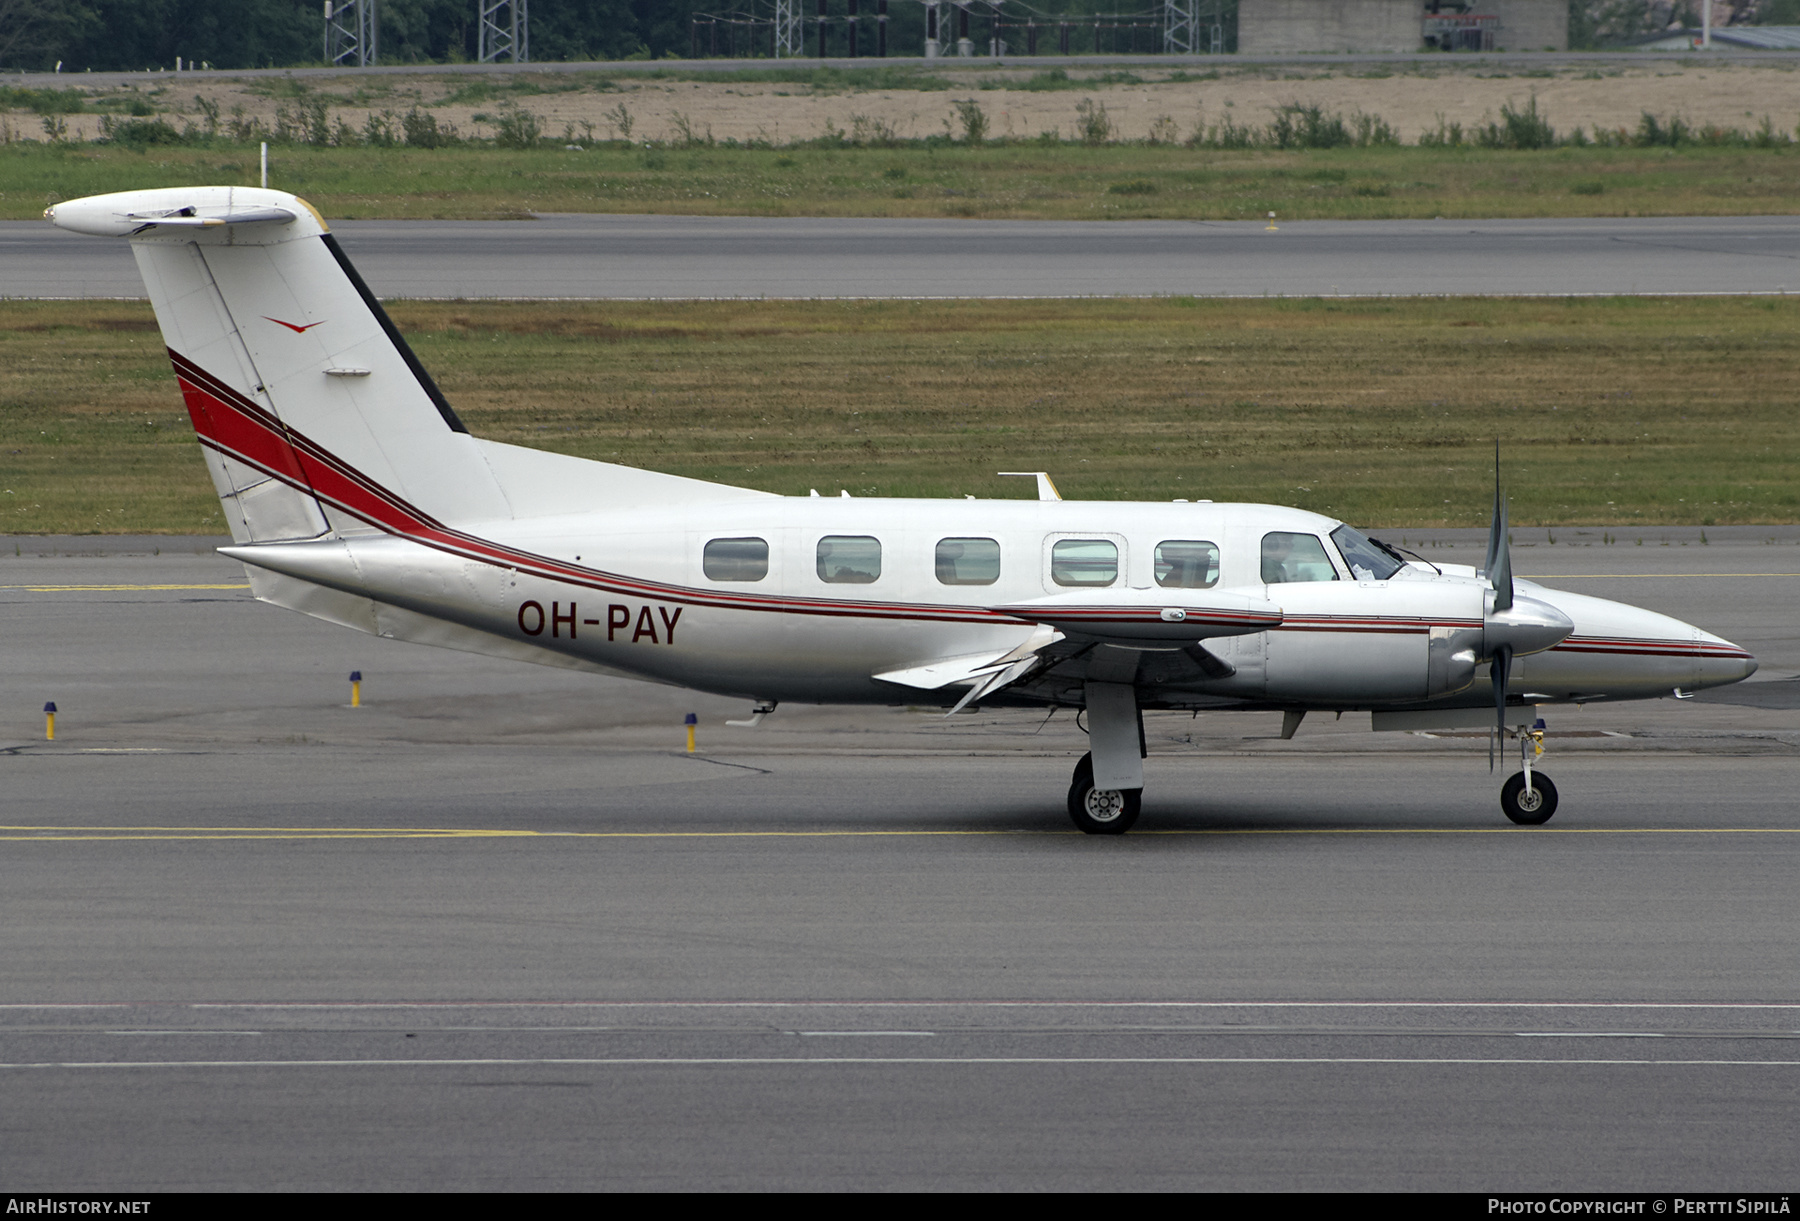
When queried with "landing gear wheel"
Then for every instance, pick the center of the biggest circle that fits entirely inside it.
(1531, 809)
(1101, 811)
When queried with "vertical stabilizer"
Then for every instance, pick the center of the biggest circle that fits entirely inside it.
(315, 414)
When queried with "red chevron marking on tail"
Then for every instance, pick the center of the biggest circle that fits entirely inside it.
(298, 330)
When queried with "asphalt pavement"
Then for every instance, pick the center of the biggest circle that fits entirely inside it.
(496, 929)
(631, 257)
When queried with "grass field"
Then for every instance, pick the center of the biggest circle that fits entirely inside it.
(1621, 412)
(1028, 179)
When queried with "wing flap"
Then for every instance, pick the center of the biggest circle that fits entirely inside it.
(942, 673)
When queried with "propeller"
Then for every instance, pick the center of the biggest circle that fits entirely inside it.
(1512, 625)
(1500, 666)
(1499, 553)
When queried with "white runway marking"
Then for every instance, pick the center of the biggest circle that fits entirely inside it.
(1791, 1006)
(768, 1061)
(865, 1034)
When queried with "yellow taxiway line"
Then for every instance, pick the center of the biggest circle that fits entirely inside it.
(63, 589)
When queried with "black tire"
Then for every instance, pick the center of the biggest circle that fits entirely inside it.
(1101, 812)
(1528, 811)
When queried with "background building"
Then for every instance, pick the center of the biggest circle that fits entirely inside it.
(1290, 27)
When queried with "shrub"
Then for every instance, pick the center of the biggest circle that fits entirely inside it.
(973, 120)
(1372, 130)
(872, 132)
(1091, 122)
(43, 101)
(519, 128)
(379, 130)
(1296, 126)
(422, 130)
(1651, 132)
(1446, 135)
(137, 133)
(1522, 129)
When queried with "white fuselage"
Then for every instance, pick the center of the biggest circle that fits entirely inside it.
(628, 591)
(355, 494)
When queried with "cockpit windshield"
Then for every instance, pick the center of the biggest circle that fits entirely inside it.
(1368, 559)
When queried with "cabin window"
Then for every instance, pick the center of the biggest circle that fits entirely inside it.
(1287, 558)
(736, 559)
(849, 559)
(968, 561)
(1084, 561)
(1183, 563)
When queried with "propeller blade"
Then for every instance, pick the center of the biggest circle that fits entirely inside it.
(1494, 537)
(1499, 552)
(1501, 669)
(1501, 574)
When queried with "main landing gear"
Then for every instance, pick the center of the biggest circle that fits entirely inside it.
(1528, 798)
(1109, 781)
(1101, 811)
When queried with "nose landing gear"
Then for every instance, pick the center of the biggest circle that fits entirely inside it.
(1528, 798)
(1101, 811)
(1529, 807)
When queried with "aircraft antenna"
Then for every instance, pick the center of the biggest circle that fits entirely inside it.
(1046, 490)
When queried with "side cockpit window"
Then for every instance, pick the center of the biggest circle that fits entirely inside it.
(1187, 564)
(736, 559)
(968, 561)
(1287, 558)
(849, 559)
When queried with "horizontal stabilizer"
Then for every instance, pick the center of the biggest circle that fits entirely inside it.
(130, 212)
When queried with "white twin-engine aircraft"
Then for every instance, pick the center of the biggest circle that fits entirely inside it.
(355, 495)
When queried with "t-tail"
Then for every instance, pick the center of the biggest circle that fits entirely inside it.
(352, 490)
(316, 417)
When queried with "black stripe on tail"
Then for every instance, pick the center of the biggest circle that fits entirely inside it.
(393, 333)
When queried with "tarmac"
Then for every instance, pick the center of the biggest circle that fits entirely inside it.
(623, 257)
(495, 928)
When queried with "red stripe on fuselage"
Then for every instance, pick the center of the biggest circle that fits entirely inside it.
(234, 426)
(1654, 648)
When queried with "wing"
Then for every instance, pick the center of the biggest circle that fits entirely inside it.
(1141, 637)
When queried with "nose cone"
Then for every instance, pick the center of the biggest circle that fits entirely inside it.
(1529, 625)
(1722, 662)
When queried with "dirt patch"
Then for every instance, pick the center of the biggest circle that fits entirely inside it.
(589, 107)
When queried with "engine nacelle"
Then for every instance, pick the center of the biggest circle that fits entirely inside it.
(1450, 668)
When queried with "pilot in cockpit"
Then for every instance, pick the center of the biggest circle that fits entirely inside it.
(1290, 557)
(1276, 548)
